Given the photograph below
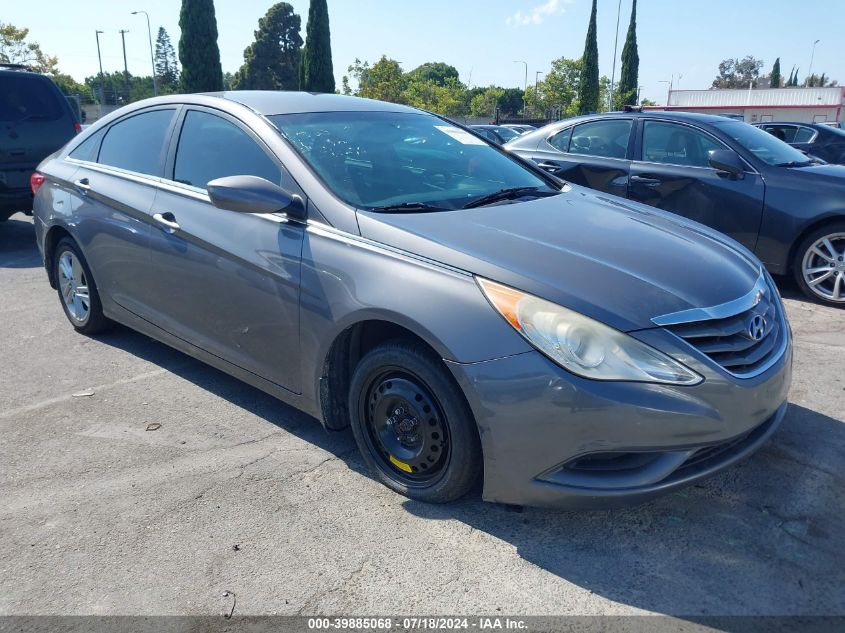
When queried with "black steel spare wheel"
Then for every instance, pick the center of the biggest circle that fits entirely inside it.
(406, 426)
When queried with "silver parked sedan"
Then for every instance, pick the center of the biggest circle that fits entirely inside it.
(468, 315)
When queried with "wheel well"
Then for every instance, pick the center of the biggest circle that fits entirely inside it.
(348, 348)
(813, 227)
(54, 235)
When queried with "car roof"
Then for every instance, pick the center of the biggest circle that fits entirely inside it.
(269, 102)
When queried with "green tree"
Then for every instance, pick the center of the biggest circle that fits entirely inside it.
(438, 72)
(384, 80)
(485, 102)
(560, 88)
(447, 99)
(738, 73)
(198, 51)
(775, 79)
(629, 78)
(14, 49)
(588, 88)
(318, 72)
(272, 61)
(167, 68)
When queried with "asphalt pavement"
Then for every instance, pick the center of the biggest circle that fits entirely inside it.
(136, 480)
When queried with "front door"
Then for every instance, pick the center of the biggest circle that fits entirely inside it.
(228, 282)
(672, 172)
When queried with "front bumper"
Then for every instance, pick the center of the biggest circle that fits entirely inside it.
(551, 438)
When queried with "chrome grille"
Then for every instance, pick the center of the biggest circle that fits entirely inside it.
(744, 337)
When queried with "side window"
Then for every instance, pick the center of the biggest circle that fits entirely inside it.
(87, 149)
(560, 141)
(803, 135)
(677, 144)
(607, 138)
(136, 143)
(211, 147)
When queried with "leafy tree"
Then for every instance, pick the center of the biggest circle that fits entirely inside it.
(775, 79)
(588, 87)
(438, 72)
(198, 51)
(485, 102)
(560, 88)
(318, 72)
(629, 78)
(272, 61)
(738, 73)
(228, 81)
(14, 49)
(167, 68)
(383, 80)
(510, 103)
(648, 102)
(429, 95)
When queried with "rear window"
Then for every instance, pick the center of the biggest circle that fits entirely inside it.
(24, 97)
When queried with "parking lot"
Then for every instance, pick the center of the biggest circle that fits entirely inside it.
(136, 480)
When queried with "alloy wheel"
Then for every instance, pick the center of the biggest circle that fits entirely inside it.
(74, 287)
(823, 267)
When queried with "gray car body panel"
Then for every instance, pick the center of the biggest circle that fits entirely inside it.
(300, 285)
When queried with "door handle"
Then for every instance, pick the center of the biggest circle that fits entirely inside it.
(644, 180)
(167, 220)
(83, 185)
(549, 166)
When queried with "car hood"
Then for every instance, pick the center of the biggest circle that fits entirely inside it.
(828, 173)
(618, 262)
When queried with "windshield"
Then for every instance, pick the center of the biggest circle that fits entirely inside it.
(763, 145)
(506, 133)
(373, 160)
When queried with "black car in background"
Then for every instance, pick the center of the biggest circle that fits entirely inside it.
(817, 139)
(35, 121)
(498, 134)
(723, 173)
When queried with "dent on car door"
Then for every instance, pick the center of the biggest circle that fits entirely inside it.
(111, 194)
(592, 154)
(227, 282)
(672, 172)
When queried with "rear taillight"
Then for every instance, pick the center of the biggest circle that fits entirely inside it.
(35, 182)
(77, 126)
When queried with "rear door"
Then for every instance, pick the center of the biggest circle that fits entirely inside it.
(35, 121)
(111, 196)
(226, 282)
(672, 172)
(594, 154)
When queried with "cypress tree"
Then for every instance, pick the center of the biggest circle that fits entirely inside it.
(166, 66)
(776, 78)
(628, 80)
(318, 71)
(198, 51)
(272, 61)
(588, 86)
(795, 78)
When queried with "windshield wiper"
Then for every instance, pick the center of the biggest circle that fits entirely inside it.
(510, 193)
(409, 207)
(795, 163)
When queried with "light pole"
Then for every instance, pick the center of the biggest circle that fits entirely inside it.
(524, 88)
(536, 81)
(152, 60)
(100, 59)
(123, 33)
(615, 45)
(812, 55)
(664, 81)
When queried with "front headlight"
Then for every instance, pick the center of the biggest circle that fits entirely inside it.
(581, 345)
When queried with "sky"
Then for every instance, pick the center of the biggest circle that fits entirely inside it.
(681, 41)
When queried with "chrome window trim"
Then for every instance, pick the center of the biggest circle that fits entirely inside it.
(721, 311)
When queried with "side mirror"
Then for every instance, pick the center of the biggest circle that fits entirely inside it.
(251, 194)
(728, 161)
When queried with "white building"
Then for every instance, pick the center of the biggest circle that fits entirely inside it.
(804, 105)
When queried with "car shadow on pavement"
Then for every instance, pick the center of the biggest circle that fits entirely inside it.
(17, 243)
(764, 537)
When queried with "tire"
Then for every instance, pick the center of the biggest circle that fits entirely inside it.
(413, 425)
(73, 277)
(814, 262)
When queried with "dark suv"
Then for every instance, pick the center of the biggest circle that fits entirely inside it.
(35, 121)
(729, 175)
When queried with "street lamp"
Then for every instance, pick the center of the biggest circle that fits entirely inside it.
(812, 55)
(670, 82)
(524, 88)
(152, 60)
(536, 81)
(100, 59)
(615, 45)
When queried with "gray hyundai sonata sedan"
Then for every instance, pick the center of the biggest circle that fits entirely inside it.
(471, 317)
